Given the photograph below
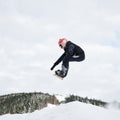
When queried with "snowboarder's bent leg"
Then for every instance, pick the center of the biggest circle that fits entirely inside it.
(64, 69)
(78, 58)
(63, 72)
(65, 65)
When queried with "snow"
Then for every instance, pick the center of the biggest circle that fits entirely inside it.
(60, 97)
(69, 111)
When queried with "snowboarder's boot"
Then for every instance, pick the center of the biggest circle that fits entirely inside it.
(62, 73)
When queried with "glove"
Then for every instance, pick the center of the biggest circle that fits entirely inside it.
(53, 67)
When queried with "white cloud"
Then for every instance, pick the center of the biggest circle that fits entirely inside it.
(28, 46)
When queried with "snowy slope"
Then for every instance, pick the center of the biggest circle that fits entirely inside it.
(70, 111)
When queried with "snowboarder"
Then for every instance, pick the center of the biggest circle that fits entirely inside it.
(72, 52)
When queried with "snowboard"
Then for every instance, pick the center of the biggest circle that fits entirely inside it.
(58, 76)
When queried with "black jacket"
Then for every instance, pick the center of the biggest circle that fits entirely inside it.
(71, 49)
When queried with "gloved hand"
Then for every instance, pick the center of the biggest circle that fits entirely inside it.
(53, 67)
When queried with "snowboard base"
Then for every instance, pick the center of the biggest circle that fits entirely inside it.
(58, 77)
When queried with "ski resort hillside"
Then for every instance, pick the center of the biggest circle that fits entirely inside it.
(19, 103)
(38, 105)
(25, 102)
(69, 111)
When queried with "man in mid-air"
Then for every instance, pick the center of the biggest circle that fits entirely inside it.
(72, 52)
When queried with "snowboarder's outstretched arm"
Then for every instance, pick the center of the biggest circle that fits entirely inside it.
(58, 61)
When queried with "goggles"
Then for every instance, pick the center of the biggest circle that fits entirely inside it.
(60, 46)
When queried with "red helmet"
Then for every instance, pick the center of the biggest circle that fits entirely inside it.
(62, 42)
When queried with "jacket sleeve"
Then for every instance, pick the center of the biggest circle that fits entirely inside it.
(60, 59)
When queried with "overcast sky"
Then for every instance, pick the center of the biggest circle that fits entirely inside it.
(29, 33)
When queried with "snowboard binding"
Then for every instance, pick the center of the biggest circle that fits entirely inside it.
(58, 73)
